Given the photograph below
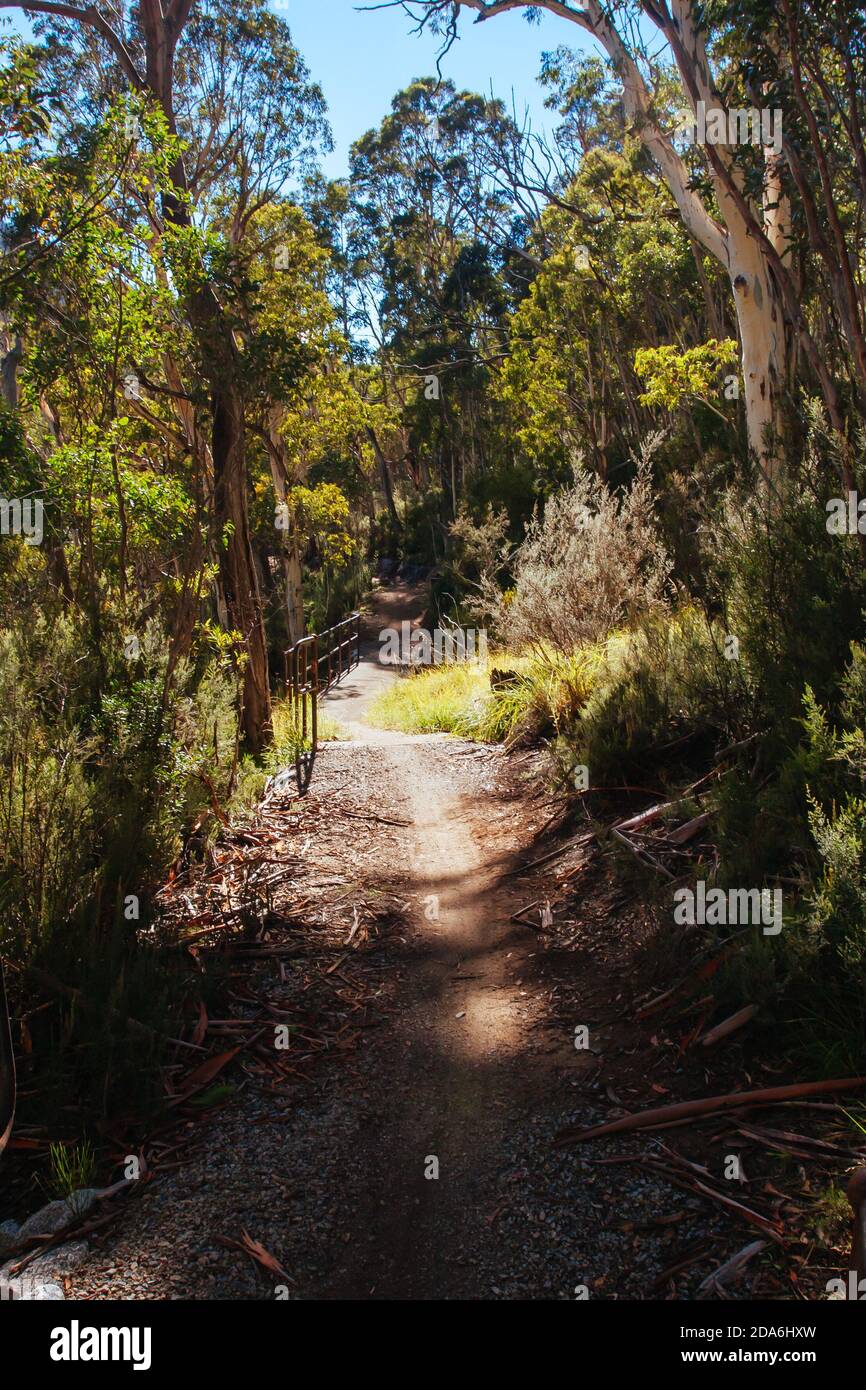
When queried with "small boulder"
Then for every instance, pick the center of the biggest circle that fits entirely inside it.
(8, 1236)
(51, 1266)
(51, 1219)
(27, 1288)
(48, 1293)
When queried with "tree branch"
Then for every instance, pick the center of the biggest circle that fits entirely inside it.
(89, 15)
(638, 105)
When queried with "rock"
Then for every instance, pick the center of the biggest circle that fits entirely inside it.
(55, 1263)
(45, 1293)
(8, 1235)
(28, 1287)
(283, 780)
(51, 1219)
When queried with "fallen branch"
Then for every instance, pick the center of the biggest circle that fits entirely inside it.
(635, 822)
(646, 1119)
(534, 863)
(641, 854)
(382, 820)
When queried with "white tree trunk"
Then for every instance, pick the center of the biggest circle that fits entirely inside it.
(290, 553)
(765, 351)
(767, 344)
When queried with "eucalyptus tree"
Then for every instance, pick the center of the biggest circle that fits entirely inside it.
(235, 96)
(429, 231)
(735, 185)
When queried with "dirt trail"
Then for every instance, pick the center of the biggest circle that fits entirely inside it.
(456, 1051)
(419, 1163)
(350, 701)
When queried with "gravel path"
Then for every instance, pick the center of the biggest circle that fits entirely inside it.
(419, 1165)
(471, 1077)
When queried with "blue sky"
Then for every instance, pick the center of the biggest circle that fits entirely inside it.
(362, 58)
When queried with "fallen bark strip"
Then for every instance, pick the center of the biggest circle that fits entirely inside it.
(729, 1025)
(754, 1218)
(710, 1105)
(644, 818)
(689, 830)
(779, 1138)
(731, 1270)
(533, 864)
(791, 1150)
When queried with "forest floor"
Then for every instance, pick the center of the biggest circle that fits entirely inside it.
(403, 1146)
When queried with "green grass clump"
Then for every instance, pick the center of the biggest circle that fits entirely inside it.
(288, 744)
(288, 737)
(437, 699)
(456, 697)
(70, 1168)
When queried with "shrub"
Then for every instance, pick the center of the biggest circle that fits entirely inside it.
(664, 685)
(592, 563)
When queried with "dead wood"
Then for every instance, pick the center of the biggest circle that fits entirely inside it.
(659, 1114)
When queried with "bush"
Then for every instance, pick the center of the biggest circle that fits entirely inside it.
(48, 830)
(662, 691)
(105, 767)
(592, 563)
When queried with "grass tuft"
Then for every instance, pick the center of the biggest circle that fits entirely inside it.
(547, 694)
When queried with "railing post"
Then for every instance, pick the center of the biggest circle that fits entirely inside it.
(315, 694)
(301, 669)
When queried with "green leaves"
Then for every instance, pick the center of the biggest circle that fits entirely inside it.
(672, 375)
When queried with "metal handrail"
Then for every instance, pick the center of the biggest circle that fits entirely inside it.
(334, 653)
